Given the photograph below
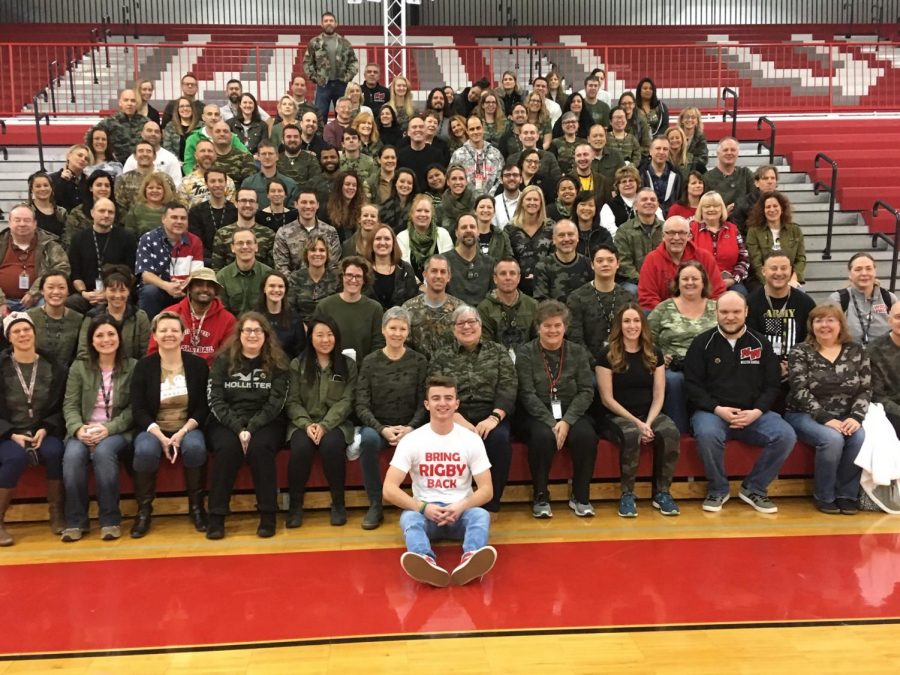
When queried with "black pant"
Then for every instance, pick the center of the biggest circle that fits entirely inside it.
(582, 445)
(333, 449)
(225, 446)
(499, 451)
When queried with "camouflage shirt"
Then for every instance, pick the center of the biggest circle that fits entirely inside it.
(128, 185)
(554, 279)
(591, 314)
(510, 325)
(237, 164)
(364, 167)
(431, 328)
(485, 378)
(221, 251)
(317, 64)
(633, 244)
(304, 293)
(482, 167)
(124, 133)
(574, 387)
(290, 242)
(193, 190)
(529, 249)
(565, 152)
(303, 169)
(827, 390)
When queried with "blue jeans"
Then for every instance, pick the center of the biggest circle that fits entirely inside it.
(472, 527)
(771, 432)
(105, 459)
(148, 450)
(327, 94)
(13, 460)
(836, 476)
(153, 300)
(675, 402)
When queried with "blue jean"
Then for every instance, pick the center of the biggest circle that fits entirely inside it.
(675, 402)
(771, 432)
(148, 450)
(327, 94)
(836, 476)
(105, 459)
(13, 460)
(153, 300)
(472, 527)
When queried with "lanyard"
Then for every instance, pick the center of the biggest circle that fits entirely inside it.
(29, 388)
(553, 381)
(107, 393)
(212, 216)
(195, 332)
(100, 254)
(865, 329)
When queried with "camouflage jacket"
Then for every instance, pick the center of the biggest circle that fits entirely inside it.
(221, 251)
(193, 190)
(554, 279)
(482, 167)
(510, 325)
(575, 386)
(828, 391)
(290, 242)
(528, 250)
(124, 132)
(885, 358)
(498, 247)
(304, 293)
(591, 314)
(364, 167)
(633, 245)
(49, 256)
(485, 378)
(431, 329)
(549, 167)
(565, 153)
(76, 221)
(237, 164)
(303, 169)
(317, 65)
(628, 147)
(128, 185)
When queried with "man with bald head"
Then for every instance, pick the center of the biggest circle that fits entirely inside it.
(237, 163)
(93, 248)
(124, 128)
(530, 137)
(565, 270)
(661, 264)
(165, 161)
(884, 353)
(732, 378)
(211, 115)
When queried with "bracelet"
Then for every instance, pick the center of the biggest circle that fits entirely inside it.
(423, 507)
(495, 416)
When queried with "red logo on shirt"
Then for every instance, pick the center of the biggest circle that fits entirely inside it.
(751, 354)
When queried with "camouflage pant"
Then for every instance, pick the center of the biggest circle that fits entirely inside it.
(666, 448)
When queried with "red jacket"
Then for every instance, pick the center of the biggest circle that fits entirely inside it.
(659, 269)
(727, 246)
(213, 331)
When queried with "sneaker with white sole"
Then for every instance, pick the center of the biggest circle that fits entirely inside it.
(627, 505)
(71, 534)
(474, 565)
(581, 510)
(666, 505)
(714, 503)
(759, 502)
(541, 509)
(110, 532)
(424, 569)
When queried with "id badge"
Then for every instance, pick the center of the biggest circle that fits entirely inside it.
(24, 281)
(479, 185)
(98, 285)
(556, 408)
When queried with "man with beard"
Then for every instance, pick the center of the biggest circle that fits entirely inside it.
(510, 143)
(732, 378)
(193, 189)
(236, 163)
(165, 161)
(470, 269)
(128, 185)
(311, 138)
(431, 327)
(506, 203)
(211, 116)
(234, 90)
(207, 323)
(301, 166)
(330, 164)
(298, 93)
(588, 174)
(331, 63)
(246, 220)
(563, 271)
(507, 314)
(436, 103)
(290, 240)
(268, 171)
(165, 258)
(208, 217)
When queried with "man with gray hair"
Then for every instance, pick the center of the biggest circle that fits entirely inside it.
(334, 130)
(431, 311)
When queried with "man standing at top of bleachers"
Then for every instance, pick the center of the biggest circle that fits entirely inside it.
(188, 91)
(331, 63)
(731, 181)
(124, 128)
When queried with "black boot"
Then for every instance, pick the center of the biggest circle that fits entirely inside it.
(266, 527)
(338, 510)
(215, 529)
(195, 484)
(374, 517)
(144, 493)
(295, 512)
(57, 501)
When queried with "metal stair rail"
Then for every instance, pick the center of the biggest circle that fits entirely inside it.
(37, 128)
(818, 187)
(3, 149)
(726, 113)
(771, 144)
(893, 244)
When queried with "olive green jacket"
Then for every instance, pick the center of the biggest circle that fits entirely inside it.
(325, 401)
(81, 395)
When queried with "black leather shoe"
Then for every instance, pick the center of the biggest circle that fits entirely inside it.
(338, 515)
(215, 528)
(266, 527)
(294, 518)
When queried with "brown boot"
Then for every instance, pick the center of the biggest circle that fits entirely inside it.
(56, 500)
(5, 499)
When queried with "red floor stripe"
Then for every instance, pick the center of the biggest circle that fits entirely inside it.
(129, 604)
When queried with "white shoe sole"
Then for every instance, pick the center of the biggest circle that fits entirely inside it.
(480, 563)
(716, 509)
(422, 571)
(747, 500)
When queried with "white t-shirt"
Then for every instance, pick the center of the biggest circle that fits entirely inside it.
(441, 466)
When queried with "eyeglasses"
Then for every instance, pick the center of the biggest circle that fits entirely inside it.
(252, 331)
(246, 201)
(466, 323)
(677, 233)
(353, 277)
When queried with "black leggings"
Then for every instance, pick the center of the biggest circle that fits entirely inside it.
(582, 445)
(225, 446)
(333, 449)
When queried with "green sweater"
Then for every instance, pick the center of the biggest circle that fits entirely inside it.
(326, 400)
(359, 322)
(82, 388)
(391, 393)
(58, 337)
(575, 387)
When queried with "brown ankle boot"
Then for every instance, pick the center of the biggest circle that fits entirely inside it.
(56, 500)
(5, 499)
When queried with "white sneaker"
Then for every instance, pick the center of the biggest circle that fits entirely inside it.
(474, 565)
(424, 569)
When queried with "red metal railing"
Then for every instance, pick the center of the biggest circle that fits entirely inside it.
(770, 78)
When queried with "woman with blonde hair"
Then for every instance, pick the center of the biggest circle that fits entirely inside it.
(538, 115)
(712, 232)
(369, 138)
(150, 204)
(355, 94)
(530, 234)
(401, 101)
(423, 237)
(678, 152)
(287, 112)
(690, 121)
